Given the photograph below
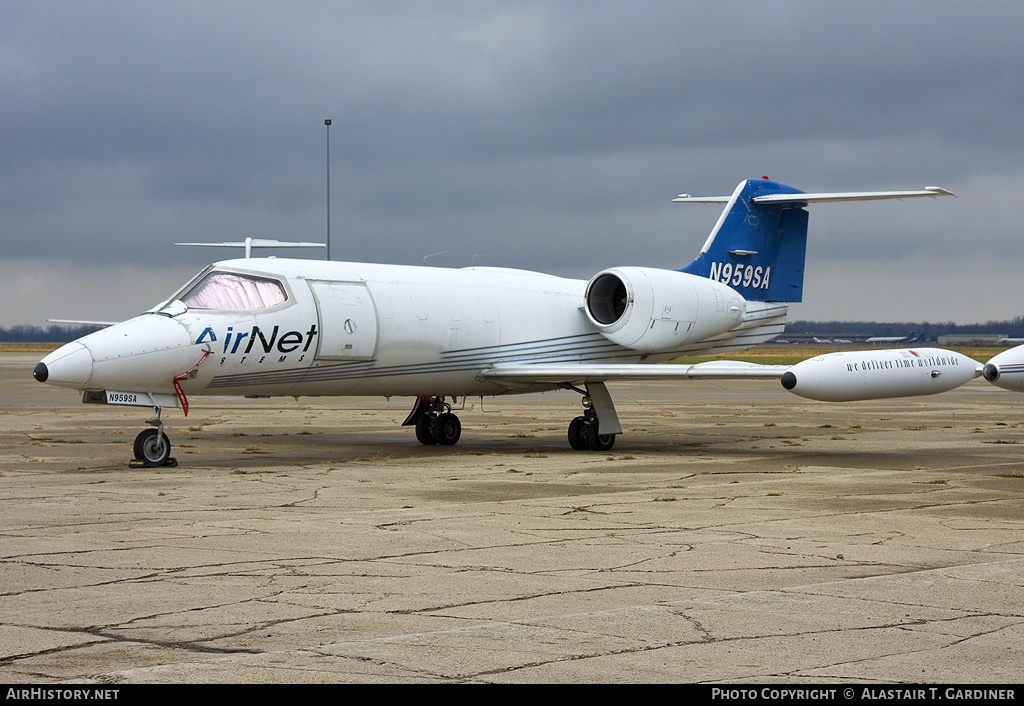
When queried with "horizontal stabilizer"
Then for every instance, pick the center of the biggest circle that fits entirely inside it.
(250, 243)
(686, 198)
(80, 322)
(931, 191)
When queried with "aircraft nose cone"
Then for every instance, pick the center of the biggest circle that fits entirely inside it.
(68, 366)
(990, 372)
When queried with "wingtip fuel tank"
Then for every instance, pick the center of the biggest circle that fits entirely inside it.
(1006, 370)
(869, 375)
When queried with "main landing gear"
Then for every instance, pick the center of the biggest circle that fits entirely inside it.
(434, 422)
(152, 447)
(597, 427)
(584, 434)
(594, 430)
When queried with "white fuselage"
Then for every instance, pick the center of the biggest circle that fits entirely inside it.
(359, 329)
(367, 329)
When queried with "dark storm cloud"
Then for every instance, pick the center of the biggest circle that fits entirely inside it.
(542, 135)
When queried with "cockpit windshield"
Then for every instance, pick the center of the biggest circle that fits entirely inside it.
(228, 291)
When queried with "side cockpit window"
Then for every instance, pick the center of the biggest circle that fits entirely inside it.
(227, 291)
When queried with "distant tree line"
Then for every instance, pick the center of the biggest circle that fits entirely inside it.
(44, 334)
(927, 330)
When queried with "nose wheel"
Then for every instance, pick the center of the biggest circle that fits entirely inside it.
(152, 447)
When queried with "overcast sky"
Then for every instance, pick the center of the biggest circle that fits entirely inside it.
(541, 135)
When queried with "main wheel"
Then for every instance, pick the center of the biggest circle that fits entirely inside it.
(598, 442)
(425, 430)
(152, 447)
(578, 434)
(447, 429)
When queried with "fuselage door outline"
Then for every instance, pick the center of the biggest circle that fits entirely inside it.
(348, 320)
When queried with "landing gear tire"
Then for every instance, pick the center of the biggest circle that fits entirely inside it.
(434, 422)
(598, 442)
(152, 447)
(584, 431)
(578, 434)
(583, 435)
(447, 429)
(425, 430)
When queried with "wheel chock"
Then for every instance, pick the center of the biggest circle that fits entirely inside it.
(136, 463)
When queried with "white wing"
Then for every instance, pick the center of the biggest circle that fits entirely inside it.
(568, 373)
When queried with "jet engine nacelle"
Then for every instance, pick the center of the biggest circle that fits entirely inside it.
(654, 310)
(871, 375)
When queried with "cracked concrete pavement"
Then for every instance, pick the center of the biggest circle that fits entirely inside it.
(735, 533)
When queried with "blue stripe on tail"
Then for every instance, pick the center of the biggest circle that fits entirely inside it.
(757, 249)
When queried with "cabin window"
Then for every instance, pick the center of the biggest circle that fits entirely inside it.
(227, 291)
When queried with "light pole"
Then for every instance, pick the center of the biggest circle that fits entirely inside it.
(327, 123)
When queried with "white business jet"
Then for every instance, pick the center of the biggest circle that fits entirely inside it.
(266, 326)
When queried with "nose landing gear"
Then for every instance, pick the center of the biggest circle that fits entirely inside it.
(152, 447)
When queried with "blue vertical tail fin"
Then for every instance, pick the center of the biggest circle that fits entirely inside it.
(757, 248)
(758, 245)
